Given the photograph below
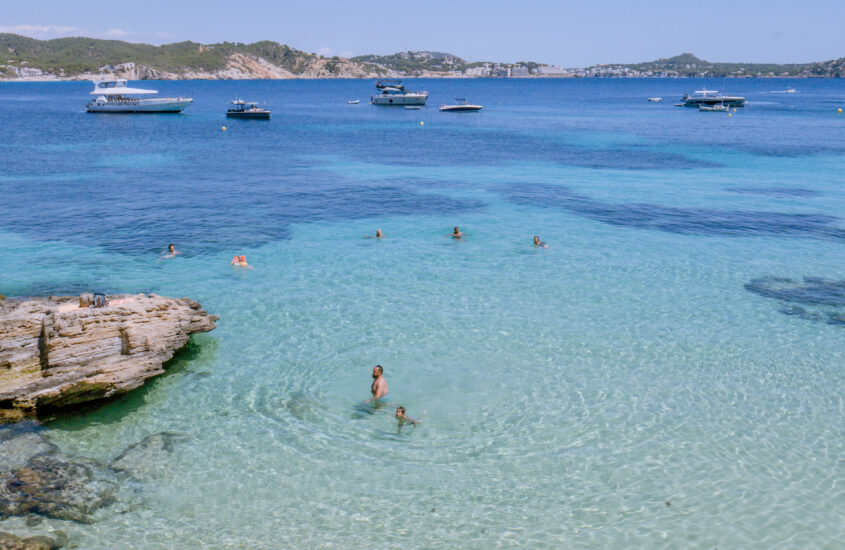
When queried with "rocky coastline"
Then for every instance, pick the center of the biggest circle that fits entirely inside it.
(55, 354)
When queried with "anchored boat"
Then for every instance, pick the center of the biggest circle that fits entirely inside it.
(710, 97)
(461, 106)
(114, 96)
(394, 93)
(247, 109)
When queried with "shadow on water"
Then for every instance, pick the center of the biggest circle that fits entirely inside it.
(200, 350)
(673, 219)
(776, 192)
(820, 299)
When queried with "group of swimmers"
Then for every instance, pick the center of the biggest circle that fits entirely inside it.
(240, 261)
(380, 398)
(456, 234)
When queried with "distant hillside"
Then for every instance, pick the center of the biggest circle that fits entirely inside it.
(77, 56)
(688, 65)
(88, 57)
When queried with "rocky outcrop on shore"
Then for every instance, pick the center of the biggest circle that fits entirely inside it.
(54, 354)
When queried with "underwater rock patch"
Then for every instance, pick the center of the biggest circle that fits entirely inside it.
(37, 479)
(147, 457)
(673, 219)
(9, 541)
(820, 298)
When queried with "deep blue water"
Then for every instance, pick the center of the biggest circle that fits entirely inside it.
(681, 339)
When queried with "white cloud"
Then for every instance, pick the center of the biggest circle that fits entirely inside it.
(118, 33)
(43, 31)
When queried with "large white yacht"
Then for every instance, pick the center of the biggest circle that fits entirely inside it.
(710, 98)
(113, 96)
(394, 93)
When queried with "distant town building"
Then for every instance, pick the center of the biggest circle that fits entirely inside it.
(551, 70)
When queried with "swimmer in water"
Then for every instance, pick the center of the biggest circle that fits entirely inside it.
(378, 235)
(171, 251)
(239, 261)
(404, 418)
(379, 386)
(456, 234)
(538, 243)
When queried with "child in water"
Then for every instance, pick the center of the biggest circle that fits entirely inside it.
(403, 418)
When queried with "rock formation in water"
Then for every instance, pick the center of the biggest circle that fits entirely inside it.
(54, 354)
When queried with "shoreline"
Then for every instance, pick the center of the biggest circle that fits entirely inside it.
(92, 77)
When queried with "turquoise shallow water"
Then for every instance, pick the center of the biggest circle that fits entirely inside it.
(647, 356)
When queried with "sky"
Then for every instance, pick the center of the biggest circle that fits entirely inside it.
(564, 32)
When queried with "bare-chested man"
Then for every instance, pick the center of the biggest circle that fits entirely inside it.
(379, 387)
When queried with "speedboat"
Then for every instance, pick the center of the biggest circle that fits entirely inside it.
(394, 93)
(711, 97)
(720, 108)
(655, 99)
(459, 107)
(113, 96)
(247, 109)
(353, 102)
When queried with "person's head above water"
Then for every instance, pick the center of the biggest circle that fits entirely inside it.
(243, 259)
(400, 411)
(171, 248)
(457, 230)
(378, 234)
(536, 239)
(378, 370)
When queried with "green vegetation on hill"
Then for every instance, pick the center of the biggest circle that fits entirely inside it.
(410, 62)
(689, 65)
(77, 55)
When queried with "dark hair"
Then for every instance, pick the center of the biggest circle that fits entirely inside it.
(400, 408)
(170, 245)
(380, 369)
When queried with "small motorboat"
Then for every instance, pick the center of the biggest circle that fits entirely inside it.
(413, 107)
(461, 106)
(720, 108)
(247, 109)
(655, 99)
(353, 102)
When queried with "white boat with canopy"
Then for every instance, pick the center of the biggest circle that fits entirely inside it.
(710, 98)
(394, 93)
(114, 96)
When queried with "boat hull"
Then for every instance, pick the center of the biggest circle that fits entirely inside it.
(265, 115)
(161, 105)
(460, 108)
(400, 99)
(710, 101)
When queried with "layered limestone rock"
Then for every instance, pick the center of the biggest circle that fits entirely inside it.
(54, 354)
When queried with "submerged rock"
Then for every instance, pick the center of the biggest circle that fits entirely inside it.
(820, 299)
(53, 486)
(147, 457)
(54, 354)
(9, 541)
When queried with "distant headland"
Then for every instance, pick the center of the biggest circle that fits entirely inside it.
(24, 58)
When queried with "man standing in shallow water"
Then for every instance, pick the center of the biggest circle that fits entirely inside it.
(379, 386)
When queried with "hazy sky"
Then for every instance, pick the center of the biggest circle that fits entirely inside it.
(563, 32)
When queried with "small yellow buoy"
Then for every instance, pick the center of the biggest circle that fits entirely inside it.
(224, 128)
(730, 115)
(839, 110)
(423, 123)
